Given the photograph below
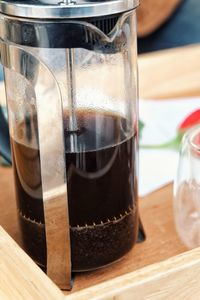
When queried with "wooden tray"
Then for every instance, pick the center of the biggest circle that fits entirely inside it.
(154, 269)
(175, 278)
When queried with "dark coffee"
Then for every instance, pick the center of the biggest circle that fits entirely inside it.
(102, 191)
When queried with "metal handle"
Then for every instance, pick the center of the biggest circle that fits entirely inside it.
(54, 187)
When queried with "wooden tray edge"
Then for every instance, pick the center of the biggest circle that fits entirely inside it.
(174, 278)
(20, 277)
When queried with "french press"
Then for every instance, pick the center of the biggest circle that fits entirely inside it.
(71, 86)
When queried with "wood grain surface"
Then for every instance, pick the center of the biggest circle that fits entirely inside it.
(20, 278)
(176, 278)
(170, 73)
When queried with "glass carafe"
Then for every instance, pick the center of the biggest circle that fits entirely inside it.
(71, 87)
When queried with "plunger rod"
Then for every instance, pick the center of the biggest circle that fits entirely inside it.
(73, 126)
(71, 90)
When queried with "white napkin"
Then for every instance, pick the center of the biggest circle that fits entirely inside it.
(161, 118)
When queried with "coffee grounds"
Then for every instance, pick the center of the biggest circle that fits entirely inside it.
(92, 245)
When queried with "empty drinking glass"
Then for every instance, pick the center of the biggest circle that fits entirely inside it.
(187, 189)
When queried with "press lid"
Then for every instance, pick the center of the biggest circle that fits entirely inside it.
(50, 9)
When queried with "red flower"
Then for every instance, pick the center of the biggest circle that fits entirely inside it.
(191, 120)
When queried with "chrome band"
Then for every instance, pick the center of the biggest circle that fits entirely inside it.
(54, 187)
(82, 9)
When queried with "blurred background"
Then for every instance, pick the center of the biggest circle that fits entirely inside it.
(164, 24)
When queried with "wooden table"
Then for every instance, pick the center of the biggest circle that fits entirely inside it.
(163, 74)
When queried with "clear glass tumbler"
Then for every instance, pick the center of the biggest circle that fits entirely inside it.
(187, 190)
